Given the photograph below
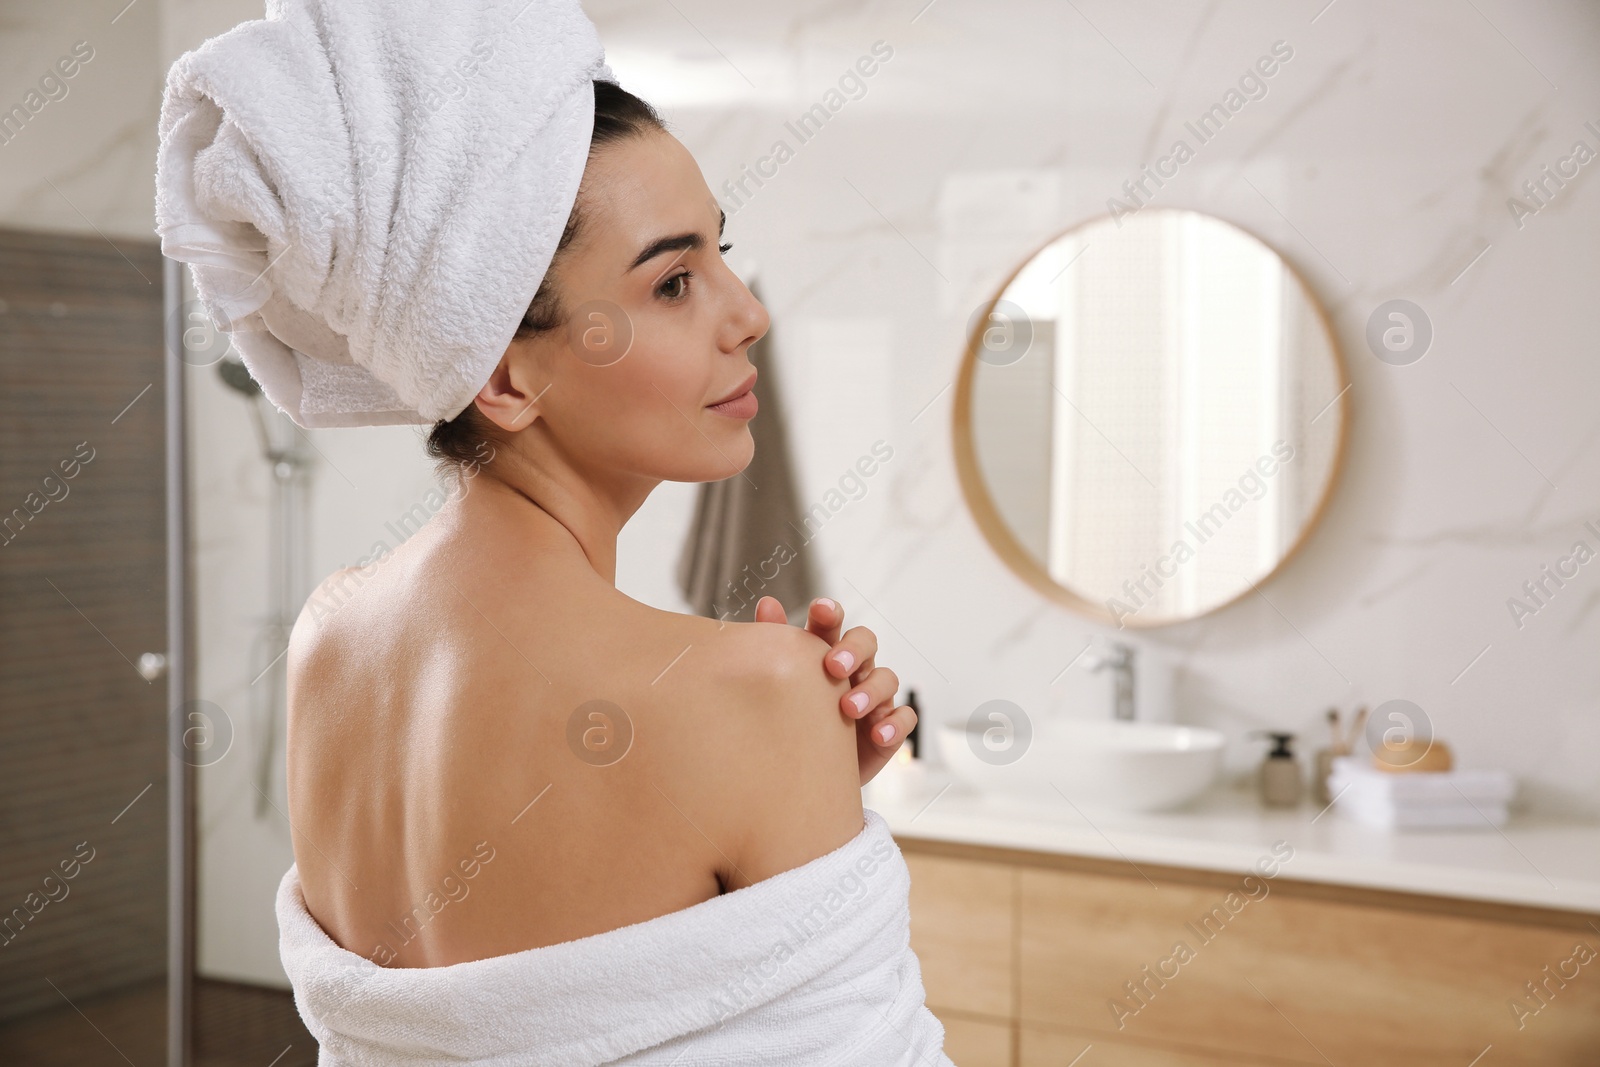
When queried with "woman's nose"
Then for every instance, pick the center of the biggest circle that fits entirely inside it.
(749, 321)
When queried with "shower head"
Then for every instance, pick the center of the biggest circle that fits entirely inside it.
(237, 375)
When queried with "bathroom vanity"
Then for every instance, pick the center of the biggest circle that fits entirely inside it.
(1227, 935)
(1148, 422)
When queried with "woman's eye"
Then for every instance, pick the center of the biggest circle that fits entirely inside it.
(676, 287)
(724, 248)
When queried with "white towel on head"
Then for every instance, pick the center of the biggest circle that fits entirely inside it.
(809, 968)
(370, 191)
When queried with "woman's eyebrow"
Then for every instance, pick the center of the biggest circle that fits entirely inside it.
(677, 243)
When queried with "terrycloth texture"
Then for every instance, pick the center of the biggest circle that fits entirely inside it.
(748, 538)
(370, 191)
(811, 967)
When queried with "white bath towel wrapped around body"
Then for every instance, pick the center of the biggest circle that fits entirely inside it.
(812, 966)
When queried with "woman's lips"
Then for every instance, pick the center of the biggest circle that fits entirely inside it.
(741, 405)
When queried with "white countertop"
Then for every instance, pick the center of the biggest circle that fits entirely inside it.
(1541, 862)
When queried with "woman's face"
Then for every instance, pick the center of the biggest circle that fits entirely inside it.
(658, 328)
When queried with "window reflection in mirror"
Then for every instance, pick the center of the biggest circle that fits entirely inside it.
(1155, 415)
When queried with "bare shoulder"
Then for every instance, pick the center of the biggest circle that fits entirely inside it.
(769, 668)
(320, 684)
(311, 637)
(793, 790)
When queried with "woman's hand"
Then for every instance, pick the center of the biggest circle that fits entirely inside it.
(870, 700)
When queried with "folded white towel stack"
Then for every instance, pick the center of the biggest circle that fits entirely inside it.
(811, 967)
(370, 191)
(1464, 799)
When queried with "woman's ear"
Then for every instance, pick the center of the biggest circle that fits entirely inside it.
(510, 398)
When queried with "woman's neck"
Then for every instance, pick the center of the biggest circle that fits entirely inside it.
(587, 512)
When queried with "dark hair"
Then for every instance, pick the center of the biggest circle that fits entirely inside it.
(460, 442)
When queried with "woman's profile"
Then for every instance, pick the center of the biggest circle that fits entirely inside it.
(535, 820)
(498, 623)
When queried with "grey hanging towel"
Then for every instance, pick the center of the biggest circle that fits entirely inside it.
(748, 538)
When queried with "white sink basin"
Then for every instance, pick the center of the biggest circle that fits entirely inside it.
(1099, 765)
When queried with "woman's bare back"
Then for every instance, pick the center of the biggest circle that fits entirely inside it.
(462, 781)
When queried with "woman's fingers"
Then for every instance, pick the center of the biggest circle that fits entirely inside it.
(897, 721)
(880, 727)
(825, 618)
(874, 747)
(849, 656)
(852, 658)
(877, 689)
(770, 609)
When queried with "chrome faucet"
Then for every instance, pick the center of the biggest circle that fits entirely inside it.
(1119, 660)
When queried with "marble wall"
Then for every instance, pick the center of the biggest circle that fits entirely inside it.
(79, 154)
(1385, 160)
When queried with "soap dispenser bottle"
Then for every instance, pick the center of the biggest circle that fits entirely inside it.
(1281, 783)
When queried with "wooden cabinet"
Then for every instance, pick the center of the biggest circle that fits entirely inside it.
(964, 931)
(964, 916)
(1056, 1048)
(1029, 960)
(976, 1042)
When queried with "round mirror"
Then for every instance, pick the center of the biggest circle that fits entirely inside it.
(1150, 416)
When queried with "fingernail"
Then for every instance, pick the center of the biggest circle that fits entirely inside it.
(825, 602)
(845, 658)
(860, 701)
(885, 733)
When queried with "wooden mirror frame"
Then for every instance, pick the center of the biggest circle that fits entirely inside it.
(1005, 543)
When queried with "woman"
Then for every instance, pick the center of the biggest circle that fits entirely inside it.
(535, 822)
(489, 693)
